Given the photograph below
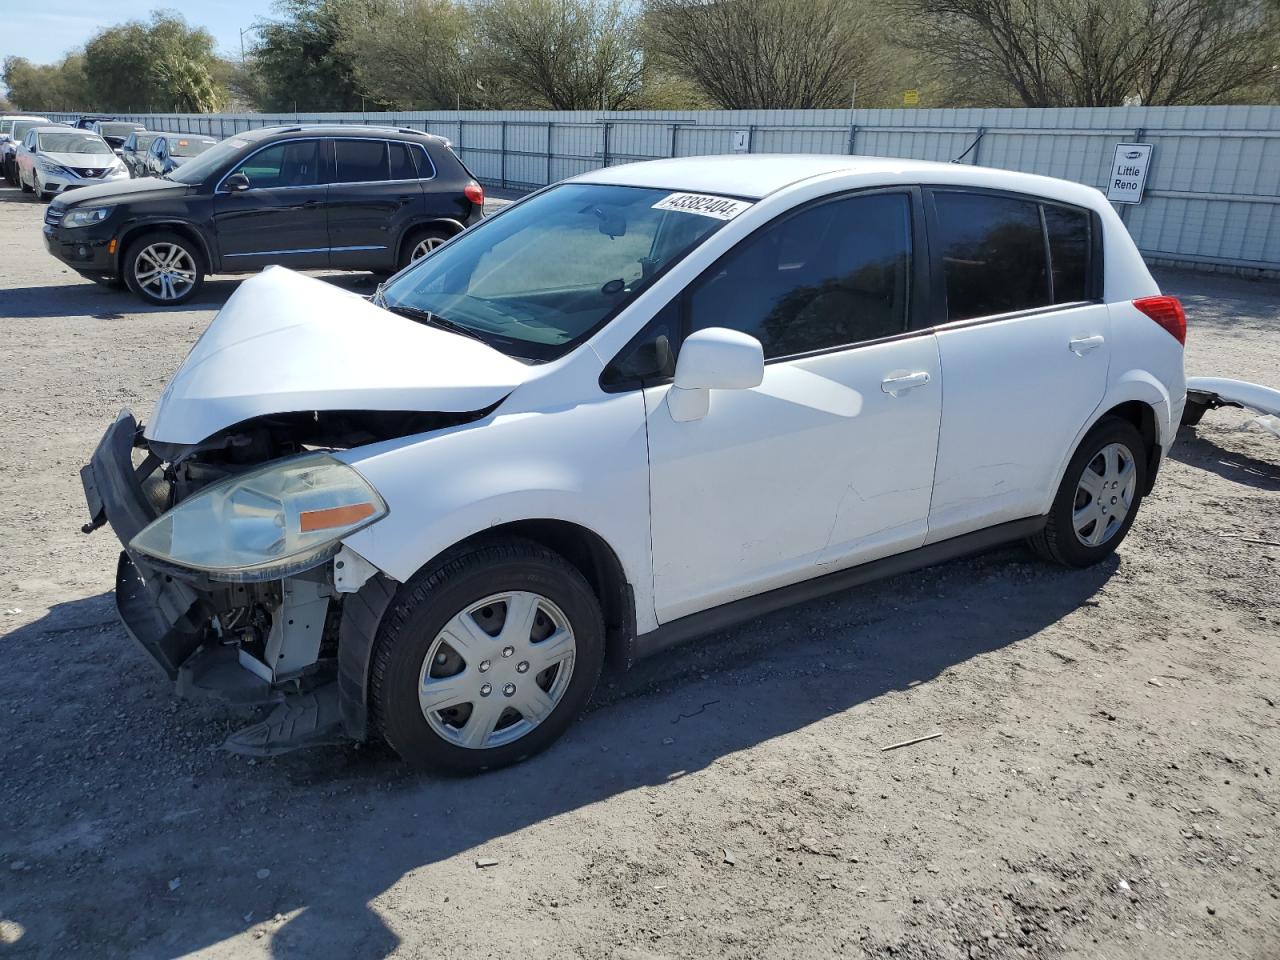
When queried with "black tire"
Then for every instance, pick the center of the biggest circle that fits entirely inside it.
(25, 188)
(1058, 542)
(129, 266)
(427, 602)
(417, 237)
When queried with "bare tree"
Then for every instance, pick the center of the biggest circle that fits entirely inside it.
(1046, 53)
(765, 53)
(563, 54)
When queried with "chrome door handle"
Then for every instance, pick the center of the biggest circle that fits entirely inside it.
(1082, 345)
(896, 385)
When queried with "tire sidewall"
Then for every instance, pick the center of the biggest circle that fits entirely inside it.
(1110, 430)
(128, 266)
(414, 238)
(411, 626)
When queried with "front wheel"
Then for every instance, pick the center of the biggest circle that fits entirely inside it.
(163, 268)
(485, 657)
(1099, 496)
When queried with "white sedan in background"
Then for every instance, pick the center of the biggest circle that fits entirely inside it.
(630, 409)
(53, 159)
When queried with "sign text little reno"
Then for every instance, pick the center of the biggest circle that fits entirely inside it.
(1128, 175)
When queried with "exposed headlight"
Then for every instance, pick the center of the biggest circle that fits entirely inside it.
(85, 216)
(266, 524)
(54, 168)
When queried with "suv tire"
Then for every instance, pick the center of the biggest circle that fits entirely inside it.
(471, 591)
(420, 242)
(1099, 497)
(152, 257)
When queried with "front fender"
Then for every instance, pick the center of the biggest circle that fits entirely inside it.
(585, 464)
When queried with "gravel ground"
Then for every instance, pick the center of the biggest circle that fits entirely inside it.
(1105, 784)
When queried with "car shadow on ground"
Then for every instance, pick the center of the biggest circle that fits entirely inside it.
(341, 826)
(84, 298)
(1199, 451)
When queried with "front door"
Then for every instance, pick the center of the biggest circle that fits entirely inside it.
(1024, 348)
(281, 217)
(829, 462)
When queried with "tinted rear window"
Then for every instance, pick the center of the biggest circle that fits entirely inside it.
(1069, 249)
(361, 161)
(993, 254)
(402, 166)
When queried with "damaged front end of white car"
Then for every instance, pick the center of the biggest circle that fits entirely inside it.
(232, 505)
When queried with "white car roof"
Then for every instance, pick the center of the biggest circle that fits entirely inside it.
(757, 175)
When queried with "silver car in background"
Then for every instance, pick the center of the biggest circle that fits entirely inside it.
(53, 159)
(12, 131)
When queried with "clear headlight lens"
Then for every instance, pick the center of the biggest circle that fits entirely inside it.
(85, 216)
(266, 524)
(54, 168)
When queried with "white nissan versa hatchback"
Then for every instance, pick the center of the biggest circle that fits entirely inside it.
(631, 408)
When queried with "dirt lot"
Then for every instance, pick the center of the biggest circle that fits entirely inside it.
(1106, 783)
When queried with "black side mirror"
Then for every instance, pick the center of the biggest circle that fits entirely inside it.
(236, 183)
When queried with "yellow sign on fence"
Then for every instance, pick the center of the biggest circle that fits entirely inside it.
(910, 98)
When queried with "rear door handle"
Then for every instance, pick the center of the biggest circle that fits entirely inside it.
(1082, 345)
(901, 383)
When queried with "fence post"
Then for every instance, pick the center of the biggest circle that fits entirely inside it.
(853, 137)
(550, 128)
(604, 152)
(751, 138)
(977, 144)
(504, 154)
(675, 129)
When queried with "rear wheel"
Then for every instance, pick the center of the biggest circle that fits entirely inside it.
(163, 268)
(1099, 496)
(486, 657)
(420, 243)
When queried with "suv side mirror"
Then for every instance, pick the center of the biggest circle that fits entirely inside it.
(236, 183)
(713, 359)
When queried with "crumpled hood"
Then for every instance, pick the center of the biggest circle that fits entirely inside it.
(285, 343)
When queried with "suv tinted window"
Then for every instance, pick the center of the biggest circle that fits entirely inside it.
(360, 161)
(294, 163)
(993, 256)
(834, 274)
(1069, 247)
(402, 167)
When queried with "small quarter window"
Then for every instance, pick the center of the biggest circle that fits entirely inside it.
(1069, 244)
(993, 254)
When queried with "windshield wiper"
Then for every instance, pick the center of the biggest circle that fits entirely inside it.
(432, 319)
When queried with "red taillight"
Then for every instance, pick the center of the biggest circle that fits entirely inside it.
(474, 192)
(1166, 311)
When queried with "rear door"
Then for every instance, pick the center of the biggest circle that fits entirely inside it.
(1023, 341)
(281, 217)
(375, 195)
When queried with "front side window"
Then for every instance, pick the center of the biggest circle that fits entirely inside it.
(832, 275)
(993, 254)
(402, 167)
(293, 163)
(544, 275)
(361, 161)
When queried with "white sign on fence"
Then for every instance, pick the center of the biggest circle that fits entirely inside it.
(1129, 172)
(741, 141)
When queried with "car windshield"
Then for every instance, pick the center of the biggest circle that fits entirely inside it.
(198, 169)
(72, 143)
(117, 129)
(188, 147)
(543, 276)
(20, 127)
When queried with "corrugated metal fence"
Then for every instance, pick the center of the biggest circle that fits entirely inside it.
(1212, 198)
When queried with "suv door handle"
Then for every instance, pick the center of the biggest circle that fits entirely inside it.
(312, 203)
(1082, 345)
(896, 385)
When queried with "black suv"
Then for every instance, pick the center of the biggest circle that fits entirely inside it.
(338, 197)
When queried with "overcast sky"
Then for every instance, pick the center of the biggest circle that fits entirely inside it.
(43, 31)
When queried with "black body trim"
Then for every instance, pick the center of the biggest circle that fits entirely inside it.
(727, 615)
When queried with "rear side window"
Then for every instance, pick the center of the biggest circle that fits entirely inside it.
(402, 167)
(1068, 229)
(833, 275)
(993, 254)
(361, 161)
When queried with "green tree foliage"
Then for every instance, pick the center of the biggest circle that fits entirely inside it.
(162, 64)
(300, 61)
(561, 54)
(57, 86)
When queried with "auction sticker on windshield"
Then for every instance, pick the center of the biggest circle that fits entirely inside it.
(703, 204)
